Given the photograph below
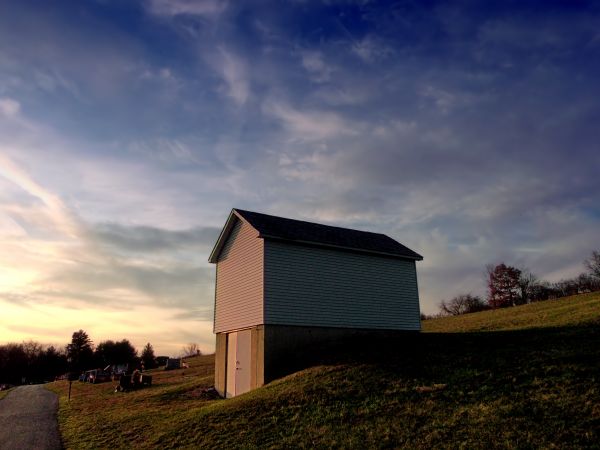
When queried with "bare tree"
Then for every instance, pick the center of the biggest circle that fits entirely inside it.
(528, 283)
(587, 283)
(191, 349)
(593, 264)
(32, 349)
(540, 291)
(462, 304)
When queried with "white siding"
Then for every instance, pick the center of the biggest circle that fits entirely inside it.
(239, 284)
(321, 287)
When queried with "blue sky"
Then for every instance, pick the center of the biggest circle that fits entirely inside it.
(468, 131)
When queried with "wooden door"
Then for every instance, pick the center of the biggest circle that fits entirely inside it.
(231, 364)
(239, 347)
(243, 362)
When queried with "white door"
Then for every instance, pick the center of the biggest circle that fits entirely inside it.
(231, 364)
(242, 373)
(238, 363)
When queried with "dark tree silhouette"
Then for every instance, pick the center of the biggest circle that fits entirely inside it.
(29, 361)
(80, 352)
(52, 362)
(148, 358)
(110, 352)
(13, 363)
(503, 286)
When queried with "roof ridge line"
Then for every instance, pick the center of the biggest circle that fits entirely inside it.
(311, 223)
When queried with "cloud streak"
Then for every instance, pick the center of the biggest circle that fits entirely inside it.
(53, 205)
(311, 124)
(152, 239)
(207, 8)
(101, 266)
(233, 71)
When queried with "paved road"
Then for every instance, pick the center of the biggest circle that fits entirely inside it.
(28, 419)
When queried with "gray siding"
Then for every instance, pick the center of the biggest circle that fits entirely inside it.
(239, 284)
(314, 286)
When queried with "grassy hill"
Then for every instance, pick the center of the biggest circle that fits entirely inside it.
(4, 393)
(523, 377)
(563, 312)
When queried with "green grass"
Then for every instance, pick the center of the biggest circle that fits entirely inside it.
(98, 417)
(4, 393)
(530, 381)
(567, 311)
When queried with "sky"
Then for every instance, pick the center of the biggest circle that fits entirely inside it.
(468, 131)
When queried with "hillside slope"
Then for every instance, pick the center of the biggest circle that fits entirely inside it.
(562, 312)
(520, 387)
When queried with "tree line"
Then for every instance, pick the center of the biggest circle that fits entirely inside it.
(31, 362)
(511, 286)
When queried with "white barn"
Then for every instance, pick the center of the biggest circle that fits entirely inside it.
(283, 285)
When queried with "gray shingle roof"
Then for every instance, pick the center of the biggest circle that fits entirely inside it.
(314, 233)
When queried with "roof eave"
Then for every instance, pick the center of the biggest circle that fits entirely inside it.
(341, 247)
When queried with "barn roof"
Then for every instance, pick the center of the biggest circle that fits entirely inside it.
(299, 231)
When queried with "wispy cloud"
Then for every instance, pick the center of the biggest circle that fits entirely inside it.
(106, 250)
(53, 206)
(153, 239)
(82, 264)
(9, 107)
(314, 63)
(310, 125)
(165, 150)
(210, 8)
(371, 49)
(233, 71)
